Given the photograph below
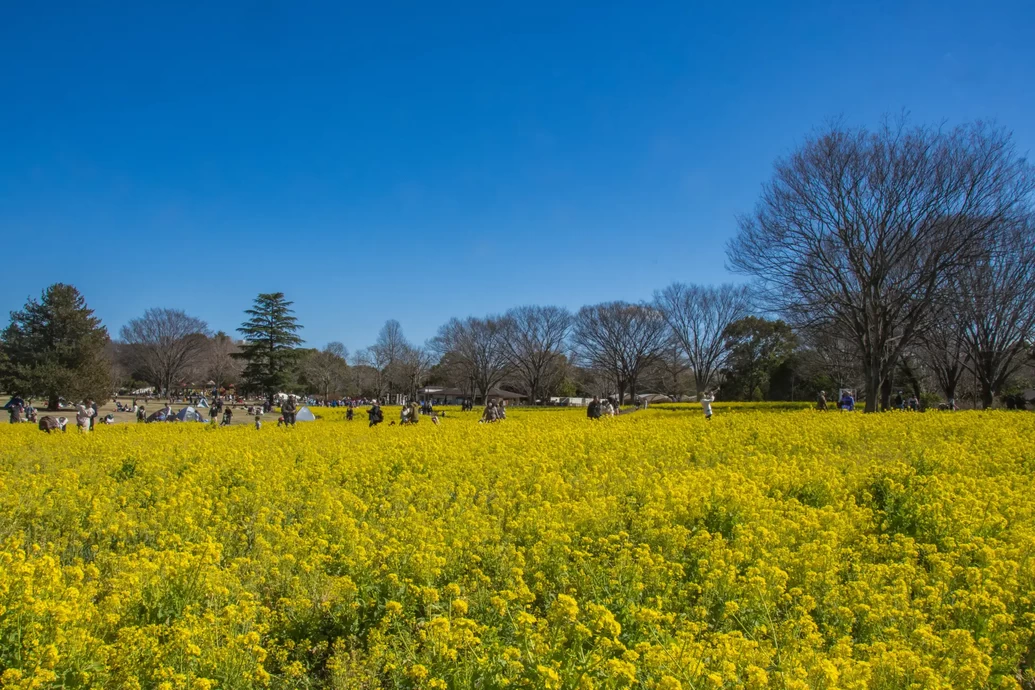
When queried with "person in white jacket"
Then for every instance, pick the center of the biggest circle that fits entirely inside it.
(706, 403)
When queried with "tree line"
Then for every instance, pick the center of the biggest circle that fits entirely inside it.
(896, 258)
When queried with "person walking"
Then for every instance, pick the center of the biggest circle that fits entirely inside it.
(375, 415)
(821, 401)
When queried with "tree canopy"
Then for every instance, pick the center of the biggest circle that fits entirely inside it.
(270, 342)
(55, 348)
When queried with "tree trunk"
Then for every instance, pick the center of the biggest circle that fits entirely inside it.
(873, 383)
(52, 401)
(885, 394)
(987, 396)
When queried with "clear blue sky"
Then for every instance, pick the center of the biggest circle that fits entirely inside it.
(375, 160)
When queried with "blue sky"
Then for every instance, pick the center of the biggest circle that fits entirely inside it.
(380, 160)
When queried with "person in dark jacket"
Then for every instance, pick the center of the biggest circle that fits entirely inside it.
(375, 415)
(288, 410)
(593, 410)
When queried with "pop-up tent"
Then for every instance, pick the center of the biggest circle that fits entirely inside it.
(202, 403)
(189, 414)
(305, 415)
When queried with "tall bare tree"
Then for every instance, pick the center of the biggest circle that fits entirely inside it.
(621, 339)
(671, 374)
(384, 355)
(534, 340)
(863, 229)
(941, 348)
(410, 370)
(474, 347)
(326, 371)
(699, 316)
(167, 345)
(224, 367)
(993, 298)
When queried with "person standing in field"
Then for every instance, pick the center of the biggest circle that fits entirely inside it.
(706, 403)
(288, 410)
(821, 401)
(375, 415)
(16, 410)
(847, 403)
(489, 415)
(593, 409)
(82, 417)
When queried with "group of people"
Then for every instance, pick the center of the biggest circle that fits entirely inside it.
(598, 408)
(494, 412)
(21, 411)
(846, 403)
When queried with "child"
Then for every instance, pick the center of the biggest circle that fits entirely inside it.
(258, 421)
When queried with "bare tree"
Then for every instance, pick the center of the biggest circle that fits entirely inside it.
(385, 354)
(167, 345)
(863, 229)
(699, 316)
(375, 361)
(326, 371)
(338, 349)
(534, 340)
(475, 347)
(942, 350)
(671, 374)
(224, 367)
(410, 370)
(993, 298)
(621, 339)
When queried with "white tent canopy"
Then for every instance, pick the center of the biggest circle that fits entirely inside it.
(305, 415)
(202, 403)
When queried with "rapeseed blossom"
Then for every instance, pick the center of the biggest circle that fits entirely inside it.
(767, 548)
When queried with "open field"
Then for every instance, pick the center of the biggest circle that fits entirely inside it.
(762, 549)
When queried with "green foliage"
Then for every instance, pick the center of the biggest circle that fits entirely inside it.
(55, 348)
(758, 347)
(271, 340)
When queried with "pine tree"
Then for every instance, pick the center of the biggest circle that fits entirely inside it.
(270, 341)
(55, 348)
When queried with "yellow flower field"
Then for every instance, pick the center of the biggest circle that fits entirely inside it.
(655, 550)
